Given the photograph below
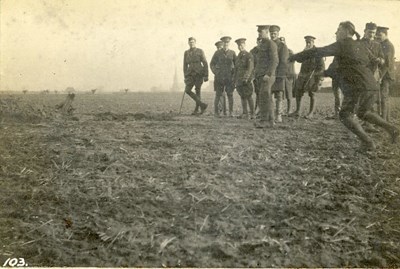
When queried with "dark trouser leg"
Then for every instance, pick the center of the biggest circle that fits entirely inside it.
(230, 102)
(278, 106)
(289, 105)
(346, 114)
(296, 113)
(196, 109)
(377, 120)
(256, 91)
(229, 92)
(266, 100)
(251, 105)
(194, 97)
(288, 94)
(385, 98)
(197, 82)
(354, 126)
(216, 102)
(244, 105)
(219, 89)
(365, 113)
(223, 99)
(313, 100)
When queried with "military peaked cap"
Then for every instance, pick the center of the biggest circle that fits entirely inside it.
(226, 38)
(274, 28)
(218, 43)
(192, 38)
(240, 41)
(382, 29)
(309, 37)
(370, 26)
(262, 27)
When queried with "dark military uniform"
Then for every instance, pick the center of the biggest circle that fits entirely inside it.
(222, 103)
(289, 83)
(290, 78)
(387, 75)
(279, 85)
(254, 51)
(195, 70)
(376, 50)
(266, 62)
(222, 65)
(309, 77)
(308, 80)
(244, 68)
(358, 82)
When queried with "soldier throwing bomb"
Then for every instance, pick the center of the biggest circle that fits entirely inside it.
(358, 82)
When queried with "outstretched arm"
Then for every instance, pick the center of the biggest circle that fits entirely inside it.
(330, 50)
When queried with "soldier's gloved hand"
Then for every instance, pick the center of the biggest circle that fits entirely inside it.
(205, 79)
(379, 61)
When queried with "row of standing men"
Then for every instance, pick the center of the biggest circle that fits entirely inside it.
(247, 72)
(267, 68)
(224, 64)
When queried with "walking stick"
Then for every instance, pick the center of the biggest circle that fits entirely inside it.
(180, 109)
(312, 73)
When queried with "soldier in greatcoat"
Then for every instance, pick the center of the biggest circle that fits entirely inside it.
(280, 75)
(222, 102)
(266, 62)
(222, 65)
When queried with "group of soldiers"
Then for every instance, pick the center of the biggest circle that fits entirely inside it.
(362, 70)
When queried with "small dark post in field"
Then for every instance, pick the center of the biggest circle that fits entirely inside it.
(55, 91)
(25, 91)
(66, 106)
(94, 91)
(126, 90)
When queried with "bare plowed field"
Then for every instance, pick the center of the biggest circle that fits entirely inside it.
(126, 181)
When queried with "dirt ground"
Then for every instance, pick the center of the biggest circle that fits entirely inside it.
(126, 181)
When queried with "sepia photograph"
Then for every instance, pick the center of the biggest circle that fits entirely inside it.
(199, 134)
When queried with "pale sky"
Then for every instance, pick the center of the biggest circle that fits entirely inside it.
(137, 44)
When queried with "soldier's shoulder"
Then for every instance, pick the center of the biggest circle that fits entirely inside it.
(216, 53)
(268, 43)
(390, 44)
(246, 55)
(254, 50)
(272, 44)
